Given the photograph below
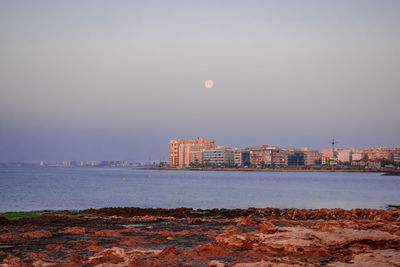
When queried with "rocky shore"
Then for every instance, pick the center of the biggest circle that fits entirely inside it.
(217, 237)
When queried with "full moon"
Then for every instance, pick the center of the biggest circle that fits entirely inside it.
(209, 84)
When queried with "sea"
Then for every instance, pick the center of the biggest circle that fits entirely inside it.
(47, 188)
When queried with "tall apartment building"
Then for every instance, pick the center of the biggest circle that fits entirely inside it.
(182, 152)
(190, 153)
(174, 152)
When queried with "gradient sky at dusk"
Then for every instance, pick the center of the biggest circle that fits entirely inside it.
(98, 80)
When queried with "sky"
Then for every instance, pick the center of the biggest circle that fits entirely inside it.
(116, 80)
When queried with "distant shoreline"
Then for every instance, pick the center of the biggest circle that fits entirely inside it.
(387, 172)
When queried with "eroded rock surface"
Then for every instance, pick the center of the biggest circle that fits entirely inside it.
(218, 237)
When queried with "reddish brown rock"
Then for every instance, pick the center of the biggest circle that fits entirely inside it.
(165, 232)
(291, 237)
(235, 242)
(10, 236)
(41, 263)
(133, 240)
(215, 263)
(94, 246)
(74, 230)
(170, 250)
(38, 234)
(209, 250)
(11, 260)
(276, 262)
(267, 228)
(146, 218)
(194, 220)
(32, 256)
(115, 218)
(113, 255)
(107, 233)
(75, 258)
(381, 258)
(183, 232)
(56, 247)
(246, 221)
(233, 238)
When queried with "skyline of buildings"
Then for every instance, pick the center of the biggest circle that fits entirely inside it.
(201, 152)
(204, 153)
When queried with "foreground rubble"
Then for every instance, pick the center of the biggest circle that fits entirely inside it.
(218, 237)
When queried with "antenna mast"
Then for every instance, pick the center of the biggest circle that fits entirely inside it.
(333, 147)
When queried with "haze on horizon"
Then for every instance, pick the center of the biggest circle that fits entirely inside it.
(98, 80)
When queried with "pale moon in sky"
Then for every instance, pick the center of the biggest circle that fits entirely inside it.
(209, 84)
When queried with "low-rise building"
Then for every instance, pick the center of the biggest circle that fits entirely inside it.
(356, 156)
(265, 156)
(367, 163)
(245, 160)
(295, 158)
(327, 153)
(311, 157)
(396, 156)
(279, 158)
(378, 153)
(219, 157)
(237, 161)
(257, 156)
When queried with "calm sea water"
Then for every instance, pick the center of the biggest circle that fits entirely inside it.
(24, 189)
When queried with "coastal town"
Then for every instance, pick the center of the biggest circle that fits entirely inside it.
(202, 153)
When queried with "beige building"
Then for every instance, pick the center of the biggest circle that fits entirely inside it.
(396, 156)
(279, 158)
(356, 156)
(311, 157)
(174, 152)
(327, 153)
(344, 155)
(190, 153)
(268, 156)
(237, 161)
(257, 155)
(379, 153)
(182, 152)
